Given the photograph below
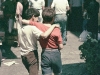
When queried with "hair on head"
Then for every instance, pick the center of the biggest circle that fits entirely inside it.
(48, 14)
(30, 12)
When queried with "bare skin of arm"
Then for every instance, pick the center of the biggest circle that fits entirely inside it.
(43, 7)
(48, 32)
(67, 7)
(60, 46)
(25, 21)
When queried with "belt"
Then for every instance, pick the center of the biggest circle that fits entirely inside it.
(49, 49)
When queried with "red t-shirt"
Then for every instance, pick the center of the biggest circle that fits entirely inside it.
(52, 40)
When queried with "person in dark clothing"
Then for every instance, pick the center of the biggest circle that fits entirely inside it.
(76, 8)
(8, 8)
(25, 7)
(93, 10)
(85, 14)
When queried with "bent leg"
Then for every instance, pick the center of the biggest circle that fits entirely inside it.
(31, 62)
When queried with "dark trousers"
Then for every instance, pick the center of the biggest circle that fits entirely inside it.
(51, 62)
(0, 57)
(76, 18)
(92, 25)
(31, 63)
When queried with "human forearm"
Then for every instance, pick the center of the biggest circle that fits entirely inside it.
(48, 32)
(43, 7)
(60, 46)
(25, 21)
(68, 8)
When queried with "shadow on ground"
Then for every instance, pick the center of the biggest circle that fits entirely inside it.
(8, 54)
(76, 33)
(74, 69)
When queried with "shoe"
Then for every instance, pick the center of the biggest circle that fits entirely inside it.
(64, 43)
(3, 58)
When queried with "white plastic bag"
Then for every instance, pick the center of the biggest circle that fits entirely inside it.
(98, 36)
(83, 36)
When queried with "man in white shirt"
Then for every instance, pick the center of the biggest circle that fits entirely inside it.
(39, 5)
(28, 36)
(61, 7)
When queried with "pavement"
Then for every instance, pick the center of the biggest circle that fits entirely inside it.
(70, 54)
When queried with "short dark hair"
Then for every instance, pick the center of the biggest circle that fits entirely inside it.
(30, 12)
(48, 14)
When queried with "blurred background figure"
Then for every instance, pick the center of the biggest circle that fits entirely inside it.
(48, 3)
(8, 8)
(39, 5)
(76, 8)
(25, 7)
(61, 7)
(19, 10)
(1, 1)
(93, 10)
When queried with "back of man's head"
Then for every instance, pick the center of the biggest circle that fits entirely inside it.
(48, 15)
(31, 12)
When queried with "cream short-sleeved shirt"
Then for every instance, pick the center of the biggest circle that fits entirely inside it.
(37, 4)
(60, 6)
(28, 39)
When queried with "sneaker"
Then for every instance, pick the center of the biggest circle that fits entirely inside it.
(3, 58)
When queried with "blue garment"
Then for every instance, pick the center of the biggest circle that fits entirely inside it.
(62, 20)
(49, 2)
(51, 62)
(85, 24)
(93, 10)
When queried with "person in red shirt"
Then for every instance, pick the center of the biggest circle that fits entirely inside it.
(51, 46)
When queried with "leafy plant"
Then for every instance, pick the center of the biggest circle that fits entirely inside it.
(90, 52)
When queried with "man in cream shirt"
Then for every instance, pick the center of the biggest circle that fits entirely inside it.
(61, 7)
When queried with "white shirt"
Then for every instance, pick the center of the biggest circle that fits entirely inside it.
(60, 6)
(28, 39)
(37, 4)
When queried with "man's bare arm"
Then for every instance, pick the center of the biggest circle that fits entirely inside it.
(48, 32)
(25, 21)
(60, 46)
